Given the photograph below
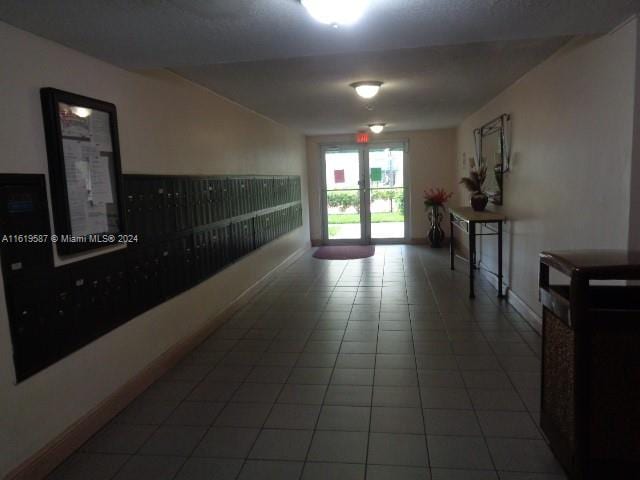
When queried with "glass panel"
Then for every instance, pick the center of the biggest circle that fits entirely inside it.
(386, 197)
(492, 158)
(343, 195)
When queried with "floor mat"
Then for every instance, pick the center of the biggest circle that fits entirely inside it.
(346, 252)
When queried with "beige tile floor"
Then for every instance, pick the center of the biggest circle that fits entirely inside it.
(379, 368)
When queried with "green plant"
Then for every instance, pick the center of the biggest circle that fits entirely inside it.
(378, 217)
(389, 194)
(343, 200)
(376, 195)
(400, 201)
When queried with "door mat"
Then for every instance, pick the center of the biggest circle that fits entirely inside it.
(346, 252)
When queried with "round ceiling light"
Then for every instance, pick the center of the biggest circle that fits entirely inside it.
(368, 89)
(336, 12)
(377, 127)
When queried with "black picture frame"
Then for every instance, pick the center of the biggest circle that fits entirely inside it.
(58, 107)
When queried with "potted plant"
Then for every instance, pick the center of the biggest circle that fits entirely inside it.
(434, 200)
(474, 183)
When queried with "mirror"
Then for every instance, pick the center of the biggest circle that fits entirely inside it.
(492, 152)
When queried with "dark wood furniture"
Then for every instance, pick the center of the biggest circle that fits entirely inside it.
(467, 220)
(590, 395)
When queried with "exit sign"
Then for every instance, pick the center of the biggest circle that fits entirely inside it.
(362, 137)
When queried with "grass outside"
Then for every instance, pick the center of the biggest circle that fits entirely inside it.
(337, 219)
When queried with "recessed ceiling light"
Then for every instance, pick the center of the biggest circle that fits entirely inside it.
(336, 12)
(367, 89)
(377, 127)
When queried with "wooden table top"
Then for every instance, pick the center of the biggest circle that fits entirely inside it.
(595, 264)
(470, 215)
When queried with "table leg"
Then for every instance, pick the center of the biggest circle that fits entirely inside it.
(472, 257)
(452, 252)
(499, 259)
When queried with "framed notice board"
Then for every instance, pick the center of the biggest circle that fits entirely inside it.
(84, 170)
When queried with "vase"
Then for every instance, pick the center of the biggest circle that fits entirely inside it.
(436, 235)
(479, 201)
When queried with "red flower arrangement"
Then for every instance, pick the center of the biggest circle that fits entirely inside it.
(436, 197)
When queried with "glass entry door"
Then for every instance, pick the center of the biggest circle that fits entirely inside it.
(386, 198)
(343, 198)
(364, 196)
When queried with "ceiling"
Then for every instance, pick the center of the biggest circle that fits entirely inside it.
(439, 59)
(424, 88)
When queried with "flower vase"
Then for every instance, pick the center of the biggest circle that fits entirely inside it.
(436, 234)
(479, 201)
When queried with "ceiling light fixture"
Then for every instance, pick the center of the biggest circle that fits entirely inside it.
(367, 89)
(377, 127)
(336, 12)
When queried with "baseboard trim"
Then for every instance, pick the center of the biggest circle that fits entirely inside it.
(44, 461)
(530, 316)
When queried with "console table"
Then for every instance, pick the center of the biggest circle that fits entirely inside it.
(466, 219)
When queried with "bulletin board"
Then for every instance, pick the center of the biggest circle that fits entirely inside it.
(84, 170)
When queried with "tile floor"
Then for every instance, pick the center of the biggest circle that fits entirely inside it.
(379, 368)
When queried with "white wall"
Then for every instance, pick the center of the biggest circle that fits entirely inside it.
(431, 156)
(634, 213)
(569, 185)
(167, 126)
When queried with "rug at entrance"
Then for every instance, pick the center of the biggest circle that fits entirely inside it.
(345, 252)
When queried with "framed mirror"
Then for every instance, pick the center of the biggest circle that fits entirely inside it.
(492, 151)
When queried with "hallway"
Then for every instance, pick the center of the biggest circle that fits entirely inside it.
(379, 368)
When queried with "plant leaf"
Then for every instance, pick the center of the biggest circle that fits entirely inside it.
(469, 184)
